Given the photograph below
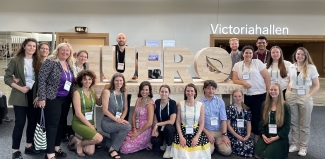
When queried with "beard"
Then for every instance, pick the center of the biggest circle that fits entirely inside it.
(121, 43)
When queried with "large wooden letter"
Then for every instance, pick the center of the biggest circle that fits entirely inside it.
(144, 64)
(181, 67)
(94, 61)
(212, 63)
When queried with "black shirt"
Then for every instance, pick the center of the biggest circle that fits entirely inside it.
(164, 112)
(120, 58)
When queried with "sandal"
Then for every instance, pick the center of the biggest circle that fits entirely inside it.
(71, 147)
(114, 157)
(80, 154)
(149, 148)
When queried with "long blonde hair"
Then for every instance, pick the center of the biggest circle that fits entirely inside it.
(245, 107)
(55, 55)
(279, 115)
(307, 61)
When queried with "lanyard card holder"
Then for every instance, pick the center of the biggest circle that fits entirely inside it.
(240, 123)
(67, 86)
(118, 114)
(272, 129)
(120, 66)
(89, 115)
(214, 121)
(189, 129)
(301, 90)
(245, 76)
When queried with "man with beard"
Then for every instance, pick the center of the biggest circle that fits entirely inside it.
(262, 53)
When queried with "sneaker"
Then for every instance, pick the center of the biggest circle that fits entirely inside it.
(167, 152)
(60, 153)
(31, 150)
(163, 147)
(302, 151)
(6, 119)
(17, 155)
(293, 148)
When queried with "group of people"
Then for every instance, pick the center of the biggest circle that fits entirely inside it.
(279, 96)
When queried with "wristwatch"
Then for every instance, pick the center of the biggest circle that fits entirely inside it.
(224, 134)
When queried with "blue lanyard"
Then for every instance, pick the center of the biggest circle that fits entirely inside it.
(117, 107)
(194, 111)
(277, 72)
(242, 70)
(208, 106)
(160, 110)
(66, 77)
(242, 112)
(304, 81)
(84, 103)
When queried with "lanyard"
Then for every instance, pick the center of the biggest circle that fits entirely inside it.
(269, 117)
(208, 106)
(304, 81)
(167, 110)
(117, 58)
(264, 57)
(249, 67)
(79, 69)
(277, 72)
(92, 101)
(140, 106)
(242, 112)
(66, 77)
(117, 107)
(194, 111)
(25, 71)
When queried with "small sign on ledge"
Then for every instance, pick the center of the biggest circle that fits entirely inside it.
(79, 29)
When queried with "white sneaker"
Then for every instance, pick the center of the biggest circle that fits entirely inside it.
(302, 151)
(293, 148)
(163, 147)
(167, 152)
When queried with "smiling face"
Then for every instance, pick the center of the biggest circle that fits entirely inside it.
(44, 50)
(190, 93)
(64, 52)
(145, 91)
(164, 93)
(248, 54)
(275, 54)
(209, 91)
(30, 48)
(86, 82)
(121, 39)
(238, 97)
(274, 91)
(82, 57)
(118, 82)
(234, 44)
(300, 56)
(261, 44)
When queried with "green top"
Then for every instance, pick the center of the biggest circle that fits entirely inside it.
(88, 102)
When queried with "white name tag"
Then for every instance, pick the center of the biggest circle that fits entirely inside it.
(245, 76)
(301, 91)
(67, 86)
(274, 80)
(162, 128)
(240, 123)
(189, 129)
(30, 83)
(120, 66)
(118, 115)
(89, 115)
(272, 129)
(137, 125)
(214, 121)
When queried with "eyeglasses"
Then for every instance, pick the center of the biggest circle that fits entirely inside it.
(46, 49)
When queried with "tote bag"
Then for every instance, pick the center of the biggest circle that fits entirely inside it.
(40, 134)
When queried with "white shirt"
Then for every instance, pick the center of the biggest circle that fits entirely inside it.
(275, 75)
(28, 69)
(256, 80)
(190, 113)
(311, 74)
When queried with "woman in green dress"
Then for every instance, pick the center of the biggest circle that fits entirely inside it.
(84, 100)
(274, 126)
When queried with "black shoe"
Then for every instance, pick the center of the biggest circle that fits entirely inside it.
(60, 153)
(17, 155)
(49, 158)
(31, 150)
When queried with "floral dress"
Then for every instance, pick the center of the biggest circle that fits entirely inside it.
(243, 149)
(142, 141)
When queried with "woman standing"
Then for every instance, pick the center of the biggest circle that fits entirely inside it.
(84, 100)
(164, 120)
(81, 63)
(55, 83)
(140, 135)
(252, 74)
(274, 126)
(115, 107)
(23, 66)
(303, 84)
(278, 68)
(189, 141)
(239, 126)
(43, 51)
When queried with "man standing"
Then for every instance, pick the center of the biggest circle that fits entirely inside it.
(215, 121)
(235, 54)
(262, 53)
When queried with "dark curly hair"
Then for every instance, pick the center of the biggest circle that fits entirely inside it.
(82, 74)
(145, 83)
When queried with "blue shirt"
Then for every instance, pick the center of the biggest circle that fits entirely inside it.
(212, 111)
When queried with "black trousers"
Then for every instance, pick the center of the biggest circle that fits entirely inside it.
(20, 119)
(129, 103)
(167, 134)
(3, 107)
(55, 112)
(254, 102)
